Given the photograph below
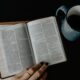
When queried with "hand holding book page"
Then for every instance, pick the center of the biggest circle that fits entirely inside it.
(70, 22)
(25, 44)
(37, 71)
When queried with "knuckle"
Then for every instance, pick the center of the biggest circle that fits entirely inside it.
(30, 71)
(40, 71)
(38, 74)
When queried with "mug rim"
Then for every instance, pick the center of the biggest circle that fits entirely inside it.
(71, 11)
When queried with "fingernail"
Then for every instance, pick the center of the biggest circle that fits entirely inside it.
(41, 63)
(46, 63)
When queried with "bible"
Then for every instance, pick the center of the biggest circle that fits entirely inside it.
(25, 44)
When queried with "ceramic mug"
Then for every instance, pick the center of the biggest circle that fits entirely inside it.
(70, 22)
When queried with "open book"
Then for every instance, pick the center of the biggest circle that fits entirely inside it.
(25, 44)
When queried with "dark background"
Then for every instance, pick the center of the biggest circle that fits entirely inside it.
(17, 10)
(11, 10)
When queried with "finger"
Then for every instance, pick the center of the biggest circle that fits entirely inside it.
(19, 75)
(38, 73)
(34, 68)
(44, 76)
(22, 72)
(30, 72)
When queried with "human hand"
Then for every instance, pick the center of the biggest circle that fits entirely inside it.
(36, 72)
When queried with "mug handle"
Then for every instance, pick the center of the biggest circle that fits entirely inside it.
(61, 14)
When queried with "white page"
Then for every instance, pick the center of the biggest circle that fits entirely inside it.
(15, 51)
(46, 41)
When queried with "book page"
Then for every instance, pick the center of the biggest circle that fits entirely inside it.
(14, 49)
(46, 41)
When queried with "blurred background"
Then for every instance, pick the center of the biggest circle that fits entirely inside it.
(18, 10)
